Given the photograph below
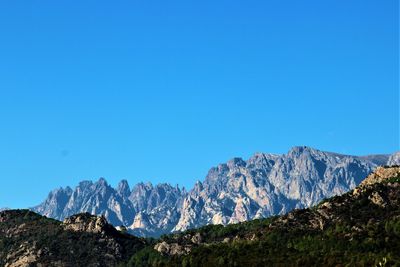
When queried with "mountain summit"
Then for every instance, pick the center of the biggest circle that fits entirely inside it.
(358, 228)
(235, 191)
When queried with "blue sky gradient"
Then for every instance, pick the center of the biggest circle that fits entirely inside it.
(161, 91)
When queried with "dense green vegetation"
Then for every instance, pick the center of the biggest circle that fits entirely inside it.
(359, 228)
(217, 233)
(360, 233)
(301, 248)
(293, 248)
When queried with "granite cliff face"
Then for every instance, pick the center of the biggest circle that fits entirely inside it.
(146, 210)
(268, 184)
(239, 190)
(360, 227)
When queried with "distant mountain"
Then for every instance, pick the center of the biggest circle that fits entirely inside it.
(144, 210)
(239, 190)
(394, 159)
(358, 228)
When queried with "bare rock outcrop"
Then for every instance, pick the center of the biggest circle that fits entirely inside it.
(235, 191)
(381, 174)
(86, 222)
(172, 249)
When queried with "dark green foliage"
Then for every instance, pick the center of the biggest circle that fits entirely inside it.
(147, 257)
(217, 233)
(291, 248)
(56, 244)
(355, 229)
(360, 233)
(394, 179)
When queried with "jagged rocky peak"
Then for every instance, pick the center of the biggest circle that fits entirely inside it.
(67, 190)
(61, 193)
(83, 187)
(236, 163)
(85, 183)
(262, 186)
(215, 174)
(262, 160)
(55, 202)
(162, 193)
(85, 222)
(102, 182)
(123, 188)
(300, 150)
(100, 185)
(307, 153)
(141, 189)
(146, 196)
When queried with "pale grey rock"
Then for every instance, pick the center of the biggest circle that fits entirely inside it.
(55, 203)
(172, 249)
(379, 160)
(147, 210)
(235, 191)
(269, 184)
(123, 188)
(85, 222)
(157, 208)
(394, 159)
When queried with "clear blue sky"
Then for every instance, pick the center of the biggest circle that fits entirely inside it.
(161, 91)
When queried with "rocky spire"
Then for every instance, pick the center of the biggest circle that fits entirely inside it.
(123, 188)
(264, 185)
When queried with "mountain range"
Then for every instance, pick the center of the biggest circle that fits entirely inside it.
(232, 192)
(358, 228)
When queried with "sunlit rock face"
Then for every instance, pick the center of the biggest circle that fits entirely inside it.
(85, 222)
(145, 210)
(235, 191)
(268, 184)
(394, 159)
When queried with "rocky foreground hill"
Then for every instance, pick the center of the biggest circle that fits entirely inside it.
(358, 228)
(236, 191)
(29, 239)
